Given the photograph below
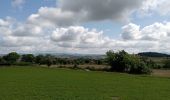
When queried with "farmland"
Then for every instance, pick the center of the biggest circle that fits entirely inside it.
(37, 83)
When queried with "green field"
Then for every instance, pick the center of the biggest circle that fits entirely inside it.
(35, 83)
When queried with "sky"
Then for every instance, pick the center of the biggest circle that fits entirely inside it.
(84, 26)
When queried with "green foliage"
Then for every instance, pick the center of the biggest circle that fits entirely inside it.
(11, 57)
(49, 60)
(40, 59)
(28, 58)
(124, 62)
(2, 61)
(167, 64)
(140, 68)
(150, 63)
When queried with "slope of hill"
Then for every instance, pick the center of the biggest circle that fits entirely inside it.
(153, 54)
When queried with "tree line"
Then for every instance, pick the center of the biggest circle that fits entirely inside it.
(118, 61)
(14, 58)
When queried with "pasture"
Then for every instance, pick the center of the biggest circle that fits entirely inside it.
(37, 83)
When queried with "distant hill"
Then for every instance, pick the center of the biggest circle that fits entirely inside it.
(74, 56)
(153, 54)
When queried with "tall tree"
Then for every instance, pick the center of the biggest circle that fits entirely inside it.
(124, 62)
(11, 57)
(28, 58)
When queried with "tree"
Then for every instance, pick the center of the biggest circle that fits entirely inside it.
(124, 62)
(11, 57)
(166, 64)
(118, 61)
(110, 58)
(49, 60)
(46, 60)
(140, 68)
(28, 58)
(2, 61)
(40, 59)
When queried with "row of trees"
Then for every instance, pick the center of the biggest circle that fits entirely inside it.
(119, 61)
(14, 58)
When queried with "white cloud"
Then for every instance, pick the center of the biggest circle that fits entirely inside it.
(79, 37)
(29, 37)
(52, 17)
(75, 12)
(3, 23)
(161, 7)
(58, 29)
(154, 37)
(131, 32)
(156, 31)
(28, 30)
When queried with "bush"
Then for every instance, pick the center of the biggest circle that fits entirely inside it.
(150, 63)
(23, 64)
(75, 66)
(115, 60)
(28, 58)
(167, 64)
(140, 68)
(124, 62)
(11, 57)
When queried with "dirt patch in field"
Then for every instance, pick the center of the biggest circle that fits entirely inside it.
(162, 73)
(86, 66)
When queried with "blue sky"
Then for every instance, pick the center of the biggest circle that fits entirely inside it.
(133, 23)
(29, 7)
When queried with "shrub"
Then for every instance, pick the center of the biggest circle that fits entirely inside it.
(124, 62)
(140, 68)
(166, 64)
(75, 66)
(23, 64)
(28, 58)
(11, 57)
(3, 62)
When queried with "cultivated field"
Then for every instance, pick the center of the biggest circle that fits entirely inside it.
(161, 73)
(35, 83)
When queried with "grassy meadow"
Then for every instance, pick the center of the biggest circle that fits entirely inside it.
(36, 83)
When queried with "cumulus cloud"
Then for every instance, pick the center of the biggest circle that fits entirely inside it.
(26, 38)
(13, 33)
(79, 37)
(159, 6)
(154, 37)
(131, 32)
(3, 23)
(156, 31)
(28, 30)
(97, 10)
(74, 12)
(56, 29)
(52, 17)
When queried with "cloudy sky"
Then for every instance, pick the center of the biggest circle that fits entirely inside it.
(84, 26)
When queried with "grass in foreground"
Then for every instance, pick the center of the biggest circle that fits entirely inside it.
(31, 83)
